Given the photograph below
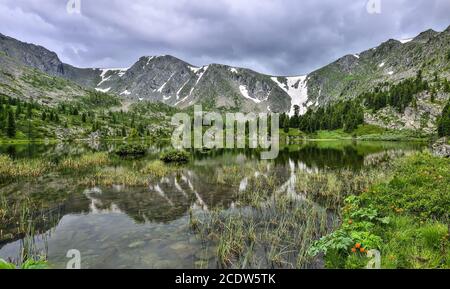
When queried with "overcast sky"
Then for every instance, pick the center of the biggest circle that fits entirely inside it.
(279, 37)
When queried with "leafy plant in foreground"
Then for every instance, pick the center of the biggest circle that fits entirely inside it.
(29, 264)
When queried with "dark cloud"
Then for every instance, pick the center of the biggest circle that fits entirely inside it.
(276, 37)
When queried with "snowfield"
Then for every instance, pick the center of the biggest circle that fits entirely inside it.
(245, 94)
(298, 93)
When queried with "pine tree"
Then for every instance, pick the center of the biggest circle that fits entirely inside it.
(29, 111)
(286, 124)
(18, 110)
(2, 113)
(11, 126)
(444, 122)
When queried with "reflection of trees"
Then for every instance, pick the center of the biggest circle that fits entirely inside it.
(314, 156)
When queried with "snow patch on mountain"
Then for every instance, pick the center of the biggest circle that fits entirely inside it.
(181, 88)
(403, 41)
(149, 58)
(120, 72)
(103, 90)
(195, 69)
(244, 92)
(125, 92)
(204, 69)
(297, 89)
(165, 83)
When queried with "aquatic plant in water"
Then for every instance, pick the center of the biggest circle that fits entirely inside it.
(131, 150)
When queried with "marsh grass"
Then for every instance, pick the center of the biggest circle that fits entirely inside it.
(11, 170)
(269, 228)
(20, 219)
(157, 169)
(84, 162)
(87, 169)
(233, 174)
(265, 229)
(116, 176)
(330, 188)
(134, 176)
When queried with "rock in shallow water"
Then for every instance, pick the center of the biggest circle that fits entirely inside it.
(136, 244)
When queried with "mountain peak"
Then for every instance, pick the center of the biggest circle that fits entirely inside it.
(426, 35)
(447, 30)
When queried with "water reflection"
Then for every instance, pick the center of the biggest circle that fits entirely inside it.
(147, 227)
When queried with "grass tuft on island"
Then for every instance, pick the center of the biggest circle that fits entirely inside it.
(131, 150)
(175, 156)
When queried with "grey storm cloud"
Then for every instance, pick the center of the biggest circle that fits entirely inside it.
(284, 37)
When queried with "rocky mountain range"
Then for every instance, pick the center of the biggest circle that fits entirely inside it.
(175, 82)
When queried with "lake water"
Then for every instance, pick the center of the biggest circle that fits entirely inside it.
(148, 227)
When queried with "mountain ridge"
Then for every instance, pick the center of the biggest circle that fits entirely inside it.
(175, 82)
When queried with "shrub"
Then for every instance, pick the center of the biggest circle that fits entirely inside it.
(133, 150)
(175, 156)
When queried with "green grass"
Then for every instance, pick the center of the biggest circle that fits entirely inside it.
(366, 132)
(28, 264)
(406, 218)
(83, 163)
(292, 133)
(334, 134)
(368, 129)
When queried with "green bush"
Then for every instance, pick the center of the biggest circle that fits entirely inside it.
(175, 156)
(132, 150)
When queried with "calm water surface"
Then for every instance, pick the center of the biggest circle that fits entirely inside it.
(147, 227)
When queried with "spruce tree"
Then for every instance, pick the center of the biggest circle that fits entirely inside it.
(444, 122)
(11, 125)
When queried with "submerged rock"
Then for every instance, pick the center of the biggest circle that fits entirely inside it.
(136, 244)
